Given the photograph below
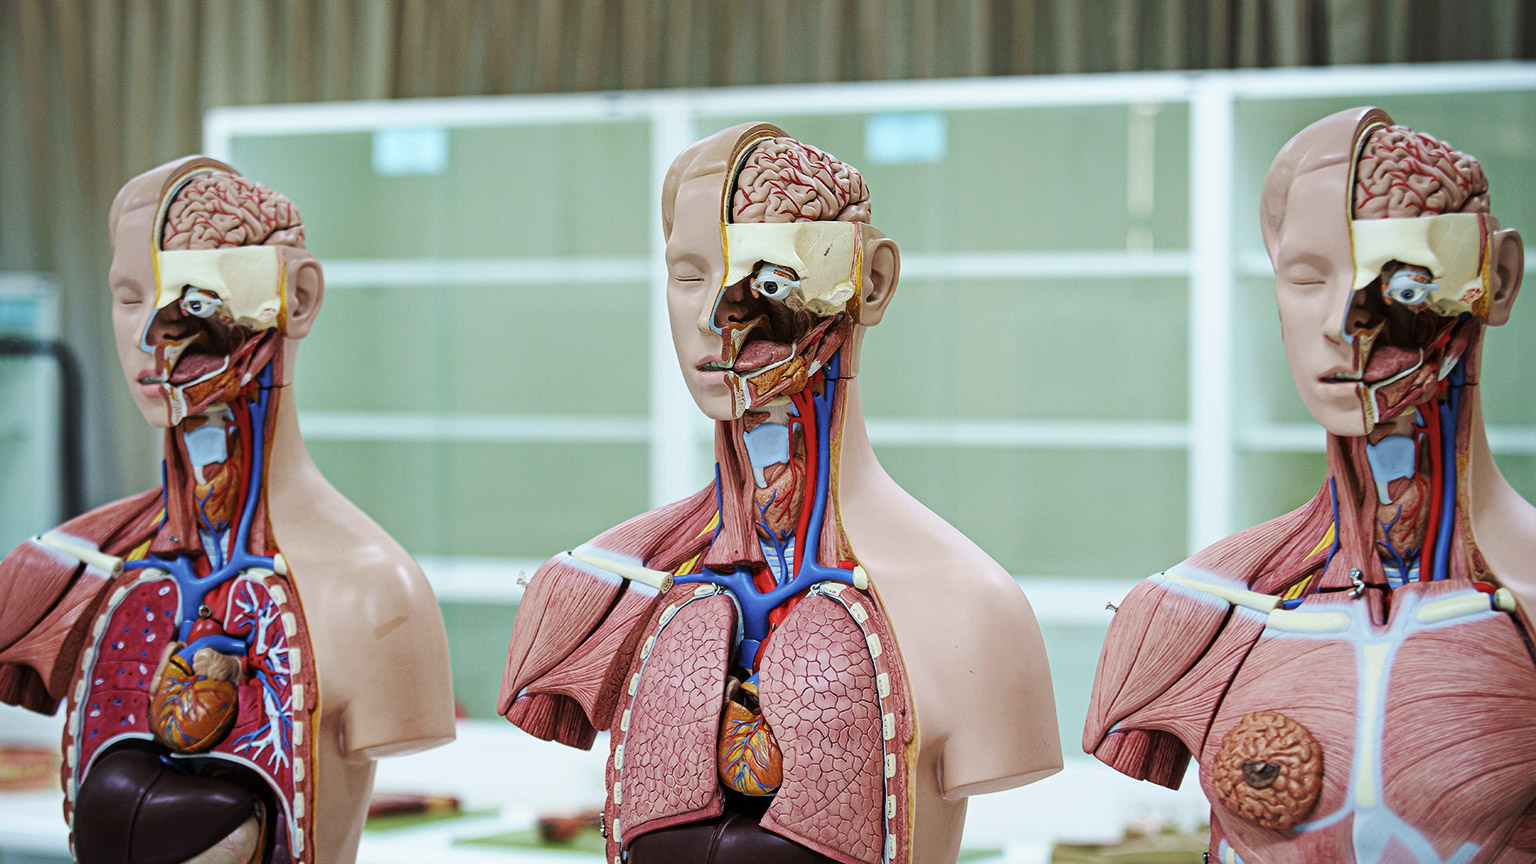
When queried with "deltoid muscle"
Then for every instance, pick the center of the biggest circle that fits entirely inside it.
(168, 621)
(1354, 679)
(731, 643)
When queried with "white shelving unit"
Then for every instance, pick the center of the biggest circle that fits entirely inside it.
(1086, 477)
(1212, 434)
(1222, 444)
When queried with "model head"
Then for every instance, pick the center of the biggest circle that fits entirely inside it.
(1387, 265)
(210, 283)
(772, 266)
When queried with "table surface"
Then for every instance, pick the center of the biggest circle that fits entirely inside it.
(488, 768)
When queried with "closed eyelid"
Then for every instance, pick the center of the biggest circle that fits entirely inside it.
(686, 272)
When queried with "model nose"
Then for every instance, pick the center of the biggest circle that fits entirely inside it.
(706, 320)
(1364, 310)
(169, 324)
(731, 306)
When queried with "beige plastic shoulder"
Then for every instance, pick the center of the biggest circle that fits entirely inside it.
(969, 639)
(402, 701)
(990, 749)
(382, 651)
(1503, 523)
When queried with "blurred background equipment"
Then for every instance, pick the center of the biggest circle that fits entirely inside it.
(41, 436)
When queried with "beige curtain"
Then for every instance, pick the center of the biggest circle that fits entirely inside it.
(94, 91)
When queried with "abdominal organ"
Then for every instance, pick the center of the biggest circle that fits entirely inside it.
(168, 621)
(730, 642)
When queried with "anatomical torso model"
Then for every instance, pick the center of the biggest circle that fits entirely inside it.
(235, 647)
(1356, 677)
(799, 662)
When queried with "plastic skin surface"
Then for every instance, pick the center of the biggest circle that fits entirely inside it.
(1356, 678)
(236, 646)
(801, 651)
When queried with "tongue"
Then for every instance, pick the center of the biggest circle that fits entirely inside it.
(194, 366)
(1388, 360)
(759, 353)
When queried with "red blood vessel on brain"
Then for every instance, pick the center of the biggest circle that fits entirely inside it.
(169, 622)
(1355, 678)
(752, 649)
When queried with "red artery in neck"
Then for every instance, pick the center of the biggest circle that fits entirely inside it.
(1429, 416)
(805, 407)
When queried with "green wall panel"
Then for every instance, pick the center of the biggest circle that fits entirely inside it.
(1109, 513)
(480, 349)
(507, 192)
(1070, 349)
(502, 500)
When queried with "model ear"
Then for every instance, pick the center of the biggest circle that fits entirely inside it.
(880, 282)
(306, 290)
(1506, 259)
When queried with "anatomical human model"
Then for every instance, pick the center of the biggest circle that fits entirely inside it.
(1356, 677)
(799, 663)
(238, 645)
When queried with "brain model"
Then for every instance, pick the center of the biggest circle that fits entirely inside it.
(787, 181)
(1403, 173)
(219, 211)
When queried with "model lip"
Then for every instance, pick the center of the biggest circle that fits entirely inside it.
(1342, 375)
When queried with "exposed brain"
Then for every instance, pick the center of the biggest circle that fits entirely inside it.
(219, 211)
(787, 181)
(1404, 173)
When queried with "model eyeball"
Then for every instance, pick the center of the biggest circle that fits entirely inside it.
(200, 303)
(775, 283)
(1410, 285)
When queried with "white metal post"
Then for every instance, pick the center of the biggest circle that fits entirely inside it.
(674, 433)
(1212, 280)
